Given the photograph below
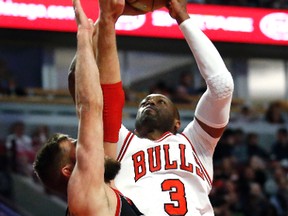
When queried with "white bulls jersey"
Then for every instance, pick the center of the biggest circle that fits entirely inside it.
(169, 176)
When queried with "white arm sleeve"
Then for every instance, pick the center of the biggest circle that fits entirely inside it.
(213, 107)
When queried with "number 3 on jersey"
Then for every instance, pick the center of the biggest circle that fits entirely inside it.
(177, 194)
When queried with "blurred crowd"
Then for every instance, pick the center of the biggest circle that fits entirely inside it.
(249, 178)
(8, 85)
(280, 4)
(17, 153)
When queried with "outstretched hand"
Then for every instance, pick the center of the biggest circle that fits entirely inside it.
(178, 10)
(80, 16)
(129, 10)
(84, 24)
(111, 8)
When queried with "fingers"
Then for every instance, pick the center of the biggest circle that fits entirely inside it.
(111, 8)
(76, 8)
(80, 15)
(129, 10)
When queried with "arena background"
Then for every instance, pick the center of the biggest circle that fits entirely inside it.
(37, 50)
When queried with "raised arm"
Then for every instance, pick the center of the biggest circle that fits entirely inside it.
(213, 109)
(105, 51)
(88, 173)
(109, 66)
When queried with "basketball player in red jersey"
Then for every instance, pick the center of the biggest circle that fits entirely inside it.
(170, 173)
(75, 168)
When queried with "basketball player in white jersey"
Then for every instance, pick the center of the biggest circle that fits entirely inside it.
(169, 173)
(165, 172)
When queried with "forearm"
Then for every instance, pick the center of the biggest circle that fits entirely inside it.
(208, 59)
(87, 84)
(114, 100)
(107, 58)
(214, 106)
(109, 66)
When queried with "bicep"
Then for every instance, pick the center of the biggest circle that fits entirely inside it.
(212, 131)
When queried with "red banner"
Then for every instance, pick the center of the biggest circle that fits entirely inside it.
(220, 23)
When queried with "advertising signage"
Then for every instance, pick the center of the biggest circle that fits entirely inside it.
(219, 23)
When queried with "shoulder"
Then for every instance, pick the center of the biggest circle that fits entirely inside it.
(200, 138)
(92, 202)
(125, 206)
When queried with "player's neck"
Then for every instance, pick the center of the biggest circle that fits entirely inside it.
(155, 135)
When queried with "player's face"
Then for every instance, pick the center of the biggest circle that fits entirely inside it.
(112, 166)
(156, 111)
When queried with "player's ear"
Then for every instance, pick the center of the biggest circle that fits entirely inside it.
(136, 132)
(177, 125)
(67, 170)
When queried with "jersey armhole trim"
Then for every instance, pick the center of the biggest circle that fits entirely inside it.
(125, 145)
(118, 206)
(208, 178)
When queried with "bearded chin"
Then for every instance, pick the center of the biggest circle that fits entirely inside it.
(112, 168)
(148, 124)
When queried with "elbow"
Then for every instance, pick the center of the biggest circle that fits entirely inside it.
(221, 86)
(87, 104)
(228, 83)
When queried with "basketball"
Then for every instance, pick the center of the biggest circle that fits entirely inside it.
(146, 5)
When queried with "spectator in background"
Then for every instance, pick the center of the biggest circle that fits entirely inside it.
(240, 151)
(184, 91)
(274, 114)
(256, 203)
(39, 137)
(280, 199)
(225, 146)
(259, 167)
(277, 189)
(253, 199)
(226, 199)
(225, 194)
(19, 149)
(254, 148)
(246, 176)
(280, 146)
(8, 85)
(6, 180)
(227, 169)
(246, 115)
